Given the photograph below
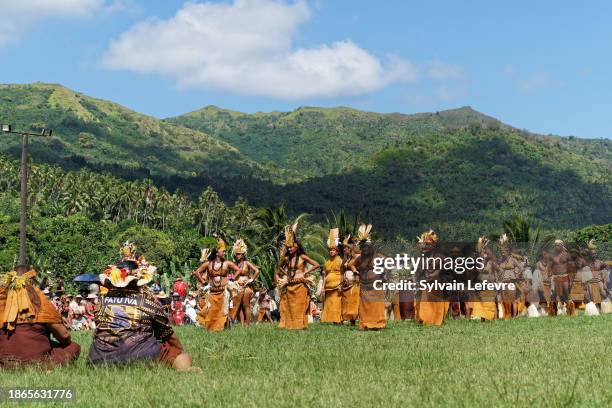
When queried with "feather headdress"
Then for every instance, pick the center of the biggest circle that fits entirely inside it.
(220, 244)
(560, 243)
(128, 250)
(347, 240)
(428, 237)
(290, 231)
(503, 241)
(240, 247)
(482, 243)
(128, 270)
(591, 245)
(205, 253)
(363, 233)
(333, 238)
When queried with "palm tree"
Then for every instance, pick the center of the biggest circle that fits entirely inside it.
(519, 231)
(346, 224)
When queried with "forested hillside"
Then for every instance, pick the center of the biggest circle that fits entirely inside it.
(458, 171)
(105, 136)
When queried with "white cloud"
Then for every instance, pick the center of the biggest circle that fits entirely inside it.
(247, 47)
(50, 8)
(19, 16)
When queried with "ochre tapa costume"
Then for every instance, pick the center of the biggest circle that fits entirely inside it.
(332, 275)
(294, 282)
(372, 310)
(27, 321)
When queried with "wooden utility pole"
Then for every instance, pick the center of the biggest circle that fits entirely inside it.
(23, 218)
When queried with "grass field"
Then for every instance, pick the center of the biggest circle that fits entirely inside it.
(556, 362)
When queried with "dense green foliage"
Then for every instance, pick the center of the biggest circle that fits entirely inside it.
(523, 362)
(598, 233)
(78, 219)
(317, 141)
(458, 171)
(462, 185)
(101, 135)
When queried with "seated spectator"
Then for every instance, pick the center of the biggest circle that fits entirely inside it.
(156, 287)
(164, 301)
(131, 324)
(76, 302)
(45, 284)
(66, 311)
(93, 289)
(190, 307)
(59, 286)
(90, 306)
(79, 322)
(27, 321)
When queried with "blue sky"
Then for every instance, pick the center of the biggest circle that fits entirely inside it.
(543, 66)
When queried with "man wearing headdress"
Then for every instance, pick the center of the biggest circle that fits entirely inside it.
(485, 306)
(132, 324)
(215, 304)
(332, 281)
(350, 282)
(294, 282)
(508, 271)
(248, 273)
(27, 321)
(560, 267)
(372, 311)
(596, 285)
(431, 306)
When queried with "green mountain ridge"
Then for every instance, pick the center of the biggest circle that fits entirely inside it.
(322, 141)
(102, 135)
(459, 170)
(455, 169)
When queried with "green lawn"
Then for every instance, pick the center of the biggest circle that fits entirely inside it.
(534, 362)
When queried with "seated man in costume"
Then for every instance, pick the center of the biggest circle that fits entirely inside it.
(131, 324)
(27, 321)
